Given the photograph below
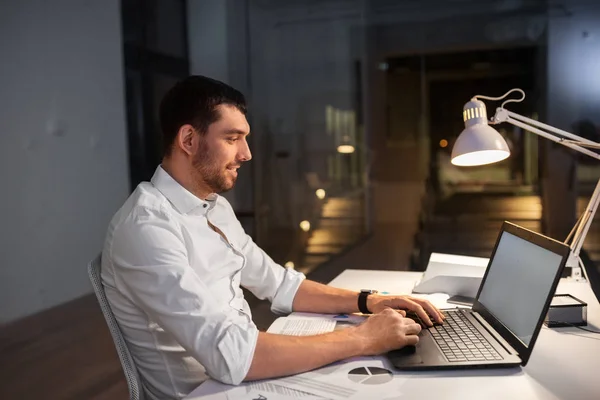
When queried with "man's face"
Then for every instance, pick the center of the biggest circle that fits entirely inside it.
(222, 150)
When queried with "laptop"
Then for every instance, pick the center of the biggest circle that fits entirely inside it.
(501, 328)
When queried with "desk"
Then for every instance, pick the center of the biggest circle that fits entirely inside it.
(565, 363)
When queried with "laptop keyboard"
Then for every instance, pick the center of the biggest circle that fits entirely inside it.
(460, 341)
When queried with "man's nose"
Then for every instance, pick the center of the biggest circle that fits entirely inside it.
(245, 154)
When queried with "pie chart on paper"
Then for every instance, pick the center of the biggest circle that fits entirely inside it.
(370, 375)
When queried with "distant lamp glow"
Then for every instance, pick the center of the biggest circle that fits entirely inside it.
(289, 264)
(305, 226)
(320, 193)
(343, 127)
(345, 149)
(443, 143)
(479, 143)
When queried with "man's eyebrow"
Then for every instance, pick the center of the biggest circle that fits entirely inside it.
(236, 132)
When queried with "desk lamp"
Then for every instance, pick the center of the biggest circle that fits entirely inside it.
(481, 144)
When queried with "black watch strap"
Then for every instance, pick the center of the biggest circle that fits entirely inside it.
(362, 300)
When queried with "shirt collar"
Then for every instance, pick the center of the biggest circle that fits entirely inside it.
(182, 199)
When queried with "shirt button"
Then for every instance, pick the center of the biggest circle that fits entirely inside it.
(204, 205)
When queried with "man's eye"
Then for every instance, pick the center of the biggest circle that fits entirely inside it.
(231, 140)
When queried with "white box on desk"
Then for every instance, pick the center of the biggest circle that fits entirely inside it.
(453, 274)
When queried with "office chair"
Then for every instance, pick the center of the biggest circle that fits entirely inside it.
(131, 374)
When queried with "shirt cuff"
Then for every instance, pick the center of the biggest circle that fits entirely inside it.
(237, 348)
(284, 298)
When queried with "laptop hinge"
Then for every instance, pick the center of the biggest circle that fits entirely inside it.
(494, 333)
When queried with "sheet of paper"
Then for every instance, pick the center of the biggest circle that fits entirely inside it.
(302, 326)
(261, 390)
(354, 379)
(349, 318)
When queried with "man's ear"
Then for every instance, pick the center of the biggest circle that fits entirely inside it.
(186, 139)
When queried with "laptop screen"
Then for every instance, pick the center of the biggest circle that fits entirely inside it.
(520, 275)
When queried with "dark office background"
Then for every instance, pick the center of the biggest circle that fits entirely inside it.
(80, 83)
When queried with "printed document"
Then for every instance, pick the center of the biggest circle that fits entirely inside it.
(302, 326)
(261, 390)
(357, 378)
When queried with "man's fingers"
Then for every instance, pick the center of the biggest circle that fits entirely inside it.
(423, 308)
(430, 309)
(385, 309)
(417, 308)
(413, 329)
(412, 340)
(433, 311)
(412, 305)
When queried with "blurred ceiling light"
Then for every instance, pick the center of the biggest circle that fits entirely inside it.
(345, 149)
(305, 225)
(443, 143)
(345, 131)
(320, 193)
(289, 264)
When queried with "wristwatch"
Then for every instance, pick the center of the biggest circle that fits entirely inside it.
(362, 300)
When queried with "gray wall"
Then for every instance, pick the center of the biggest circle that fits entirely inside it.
(63, 154)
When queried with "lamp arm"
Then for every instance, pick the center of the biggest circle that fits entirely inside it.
(575, 142)
(592, 146)
(586, 221)
(550, 128)
(503, 115)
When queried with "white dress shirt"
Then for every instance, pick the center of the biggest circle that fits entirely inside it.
(173, 284)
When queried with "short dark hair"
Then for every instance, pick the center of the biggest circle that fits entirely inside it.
(194, 101)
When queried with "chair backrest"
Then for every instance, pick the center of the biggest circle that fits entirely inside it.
(131, 374)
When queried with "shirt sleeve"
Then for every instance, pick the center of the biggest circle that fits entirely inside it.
(268, 280)
(151, 268)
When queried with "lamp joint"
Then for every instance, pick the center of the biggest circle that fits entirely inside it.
(500, 116)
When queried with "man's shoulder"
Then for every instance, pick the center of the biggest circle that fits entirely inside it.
(147, 196)
(146, 206)
(145, 202)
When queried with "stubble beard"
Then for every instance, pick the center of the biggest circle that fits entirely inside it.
(208, 171)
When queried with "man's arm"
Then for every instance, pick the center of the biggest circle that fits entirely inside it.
(263, 277)
(280, 355)
(318, 298)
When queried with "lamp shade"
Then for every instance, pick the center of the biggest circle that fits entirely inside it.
(479, 143)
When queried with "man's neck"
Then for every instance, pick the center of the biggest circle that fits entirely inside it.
(186, 179)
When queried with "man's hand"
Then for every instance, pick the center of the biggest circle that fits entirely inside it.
(386, 331)
(377, 303)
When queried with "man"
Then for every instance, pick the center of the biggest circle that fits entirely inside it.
(175, 257)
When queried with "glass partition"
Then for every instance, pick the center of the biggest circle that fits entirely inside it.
(311, 180)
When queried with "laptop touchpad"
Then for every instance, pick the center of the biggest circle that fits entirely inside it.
(407, 355)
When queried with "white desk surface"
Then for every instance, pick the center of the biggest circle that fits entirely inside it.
(565, 363)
